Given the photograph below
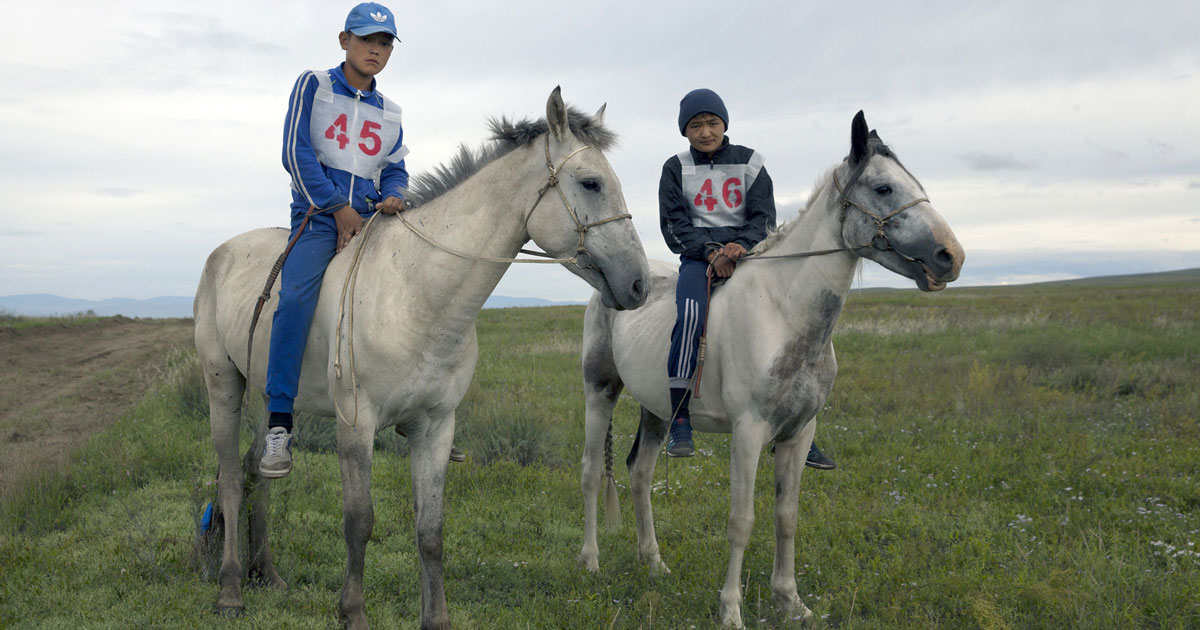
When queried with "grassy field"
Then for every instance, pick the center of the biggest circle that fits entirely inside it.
(1009, 458)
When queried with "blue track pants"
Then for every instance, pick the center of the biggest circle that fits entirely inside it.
(300, 285)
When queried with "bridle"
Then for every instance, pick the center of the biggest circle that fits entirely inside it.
(879, 241)
(582, 258)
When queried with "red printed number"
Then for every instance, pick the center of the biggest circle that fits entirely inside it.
(731, 193)
(368, 132)
(338, 125)
(337, 131)
(704, 197)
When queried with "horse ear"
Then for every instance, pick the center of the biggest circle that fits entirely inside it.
(598, 117)
(858, 138)
(556, 114)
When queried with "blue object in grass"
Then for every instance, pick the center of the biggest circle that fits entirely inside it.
(206, 519)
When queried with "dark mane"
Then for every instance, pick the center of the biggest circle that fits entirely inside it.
(506, 135)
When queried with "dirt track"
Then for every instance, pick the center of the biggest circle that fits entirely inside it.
(62, 383)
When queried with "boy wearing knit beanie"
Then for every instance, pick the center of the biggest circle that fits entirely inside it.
(715, 202)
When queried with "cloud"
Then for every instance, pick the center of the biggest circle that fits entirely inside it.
(980, 161)
(1194, 185)
(118, 192)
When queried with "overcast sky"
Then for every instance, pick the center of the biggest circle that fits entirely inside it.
(1058, 139)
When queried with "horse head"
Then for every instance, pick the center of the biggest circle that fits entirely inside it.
(581, 211)
(884, 209)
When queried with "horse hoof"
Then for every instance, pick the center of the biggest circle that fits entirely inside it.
(357, 622)
(591, 563)
(268, 579)
(791, 605)
(658, 568)
(229, 611)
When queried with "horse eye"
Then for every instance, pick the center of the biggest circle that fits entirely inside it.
(592, 185)
(883, 189)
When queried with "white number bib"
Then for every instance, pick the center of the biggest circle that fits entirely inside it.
(717, 193)
(352, 136)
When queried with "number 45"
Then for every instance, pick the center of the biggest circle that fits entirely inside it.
(337, 131)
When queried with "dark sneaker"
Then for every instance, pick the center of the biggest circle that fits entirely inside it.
(680, 442)
(816, 459)
(277, 454)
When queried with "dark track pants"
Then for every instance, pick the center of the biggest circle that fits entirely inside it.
(690, 308)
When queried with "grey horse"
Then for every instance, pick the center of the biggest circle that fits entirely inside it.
(770, 363)
(408, 354)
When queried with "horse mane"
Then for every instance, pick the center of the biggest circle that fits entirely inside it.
(507, 135)
(778, 234)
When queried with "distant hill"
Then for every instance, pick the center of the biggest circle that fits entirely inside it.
(1162, 277)
(501, 301)
(44, 304)
(47, 305)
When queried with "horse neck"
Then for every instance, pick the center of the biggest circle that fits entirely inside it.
(484, 216)
(804, 287)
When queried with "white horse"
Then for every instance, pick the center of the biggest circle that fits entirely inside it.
(414, 344)
(770, 363)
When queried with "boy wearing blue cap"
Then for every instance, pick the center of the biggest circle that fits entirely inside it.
(343, 145)
(715, 203)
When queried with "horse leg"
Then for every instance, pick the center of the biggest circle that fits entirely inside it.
(225, 389)
(789, 463)
(430, 455)
(601, 398)
(749, 435)
(642, 458)
(261, 567)
(355, 449)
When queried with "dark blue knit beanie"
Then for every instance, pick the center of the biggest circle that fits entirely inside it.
(698, 102)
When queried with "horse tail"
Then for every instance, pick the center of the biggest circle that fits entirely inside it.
(612, 506)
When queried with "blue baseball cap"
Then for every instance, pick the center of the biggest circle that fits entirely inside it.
(371, 17)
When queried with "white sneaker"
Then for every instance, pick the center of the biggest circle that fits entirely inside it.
(277, 454)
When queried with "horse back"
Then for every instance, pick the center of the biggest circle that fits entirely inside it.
(233, 277)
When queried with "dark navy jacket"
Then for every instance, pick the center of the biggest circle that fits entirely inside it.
(675, 210)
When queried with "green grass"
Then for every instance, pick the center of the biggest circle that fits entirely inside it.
(8, 319)
(1008, 458)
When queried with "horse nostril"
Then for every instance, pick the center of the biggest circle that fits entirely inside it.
(944, 257)
(638, 289)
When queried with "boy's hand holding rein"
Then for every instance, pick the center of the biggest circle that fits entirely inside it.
(349, 223)
(391, 205)
(724, 260)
